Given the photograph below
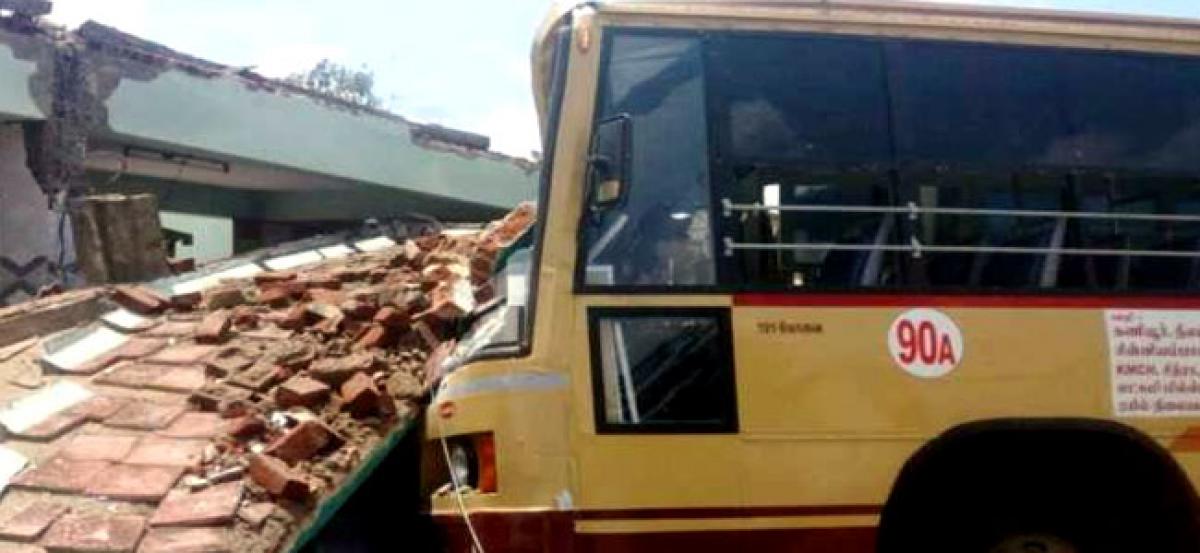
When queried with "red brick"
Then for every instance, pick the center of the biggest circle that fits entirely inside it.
(226, 295)
(31, 521)
(140, 299)
(52, 427)
(172, 329)
(186, 540)
(180, 379)
(183, 354)
(376, 336)
(126, 482)
(296, 317)
(214, 327)
(301, 442)
(336, 370)
(98, 533)
(211, 506)
(137, 348)
(277, 478)
(60, 474)
(244, 317)
(145, 415)
(247, 426)
(275, 296)
(130, 374)
(98, 407)
(194, 425)
(301, 391)
(169, 452)
(186, 301)
(320, 281)
(274, 276)
(360, 395)
(391, 316)
(91, 447)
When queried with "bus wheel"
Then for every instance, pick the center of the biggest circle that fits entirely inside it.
(1033, 543)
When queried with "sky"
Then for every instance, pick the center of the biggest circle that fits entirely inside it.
(459, 63)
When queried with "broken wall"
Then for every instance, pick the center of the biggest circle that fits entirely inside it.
(29, 245)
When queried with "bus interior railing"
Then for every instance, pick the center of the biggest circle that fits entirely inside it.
(1053, 250)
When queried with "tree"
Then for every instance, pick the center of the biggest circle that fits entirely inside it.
(339, 81)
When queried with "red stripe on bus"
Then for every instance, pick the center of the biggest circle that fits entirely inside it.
(553, 532)
(954, 300)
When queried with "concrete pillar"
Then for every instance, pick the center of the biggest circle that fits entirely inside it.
(29, 233)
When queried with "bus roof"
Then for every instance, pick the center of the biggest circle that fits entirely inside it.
(884, 17)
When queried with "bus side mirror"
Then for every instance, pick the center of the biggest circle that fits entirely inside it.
(608, 162)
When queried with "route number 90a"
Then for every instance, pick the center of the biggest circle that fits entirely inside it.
(925, 343)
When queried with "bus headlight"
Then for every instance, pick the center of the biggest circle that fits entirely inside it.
(471, 462)
(461, 465)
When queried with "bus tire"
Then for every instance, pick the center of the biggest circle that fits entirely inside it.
(1084, 486)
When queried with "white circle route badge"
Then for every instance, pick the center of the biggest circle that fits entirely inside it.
(926, 343)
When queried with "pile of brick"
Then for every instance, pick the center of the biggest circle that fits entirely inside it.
(229, 414)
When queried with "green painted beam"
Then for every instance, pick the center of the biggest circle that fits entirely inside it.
(16, 100)
(354, 204)
(228, 117)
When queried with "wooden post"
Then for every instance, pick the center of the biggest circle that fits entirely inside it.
(118, 238)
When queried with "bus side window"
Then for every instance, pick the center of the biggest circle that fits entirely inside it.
(662, 370)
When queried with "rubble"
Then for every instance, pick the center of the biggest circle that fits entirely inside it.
(234, 411)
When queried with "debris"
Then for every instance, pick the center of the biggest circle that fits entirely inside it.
(360, 395)
(255, 513)
(224, 296)
(140, 299)
(302, 442)
(277, 478)
(291, 379)
(302, 391)
(245, 427)
(214, 327)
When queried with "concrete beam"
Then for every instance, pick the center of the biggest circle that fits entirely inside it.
(227, 117)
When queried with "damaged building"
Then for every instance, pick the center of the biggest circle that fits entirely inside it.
(232, 161)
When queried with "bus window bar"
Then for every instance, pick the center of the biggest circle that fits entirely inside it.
(916, 248)
(914, 211)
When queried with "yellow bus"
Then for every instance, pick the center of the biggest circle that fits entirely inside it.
(842, 276)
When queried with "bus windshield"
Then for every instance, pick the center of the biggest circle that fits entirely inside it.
(797, 161)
